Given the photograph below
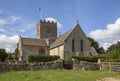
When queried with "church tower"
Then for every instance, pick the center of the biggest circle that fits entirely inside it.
(46, 29)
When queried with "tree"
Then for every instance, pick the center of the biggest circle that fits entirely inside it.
(16, 53)
(101, 50)
(96, 45)
(10, 56)
(3, 55)
(113, 51)
(115, 46)
(93, 43)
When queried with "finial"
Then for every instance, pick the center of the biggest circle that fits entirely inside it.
(77, 21)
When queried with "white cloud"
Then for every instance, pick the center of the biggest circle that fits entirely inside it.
(15, 25)
(21, 30)
(106, 44)
(8, 42)
(59, 25)
(1, 11)
(107, 36)
(10, 27)
(2, 30)
(111, 31)
(15, 18)
(3, 21)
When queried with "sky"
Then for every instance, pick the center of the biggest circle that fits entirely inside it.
(99, 19)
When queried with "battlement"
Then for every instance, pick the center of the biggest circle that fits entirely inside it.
(49, 22)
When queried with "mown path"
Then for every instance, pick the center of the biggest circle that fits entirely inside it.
(110, 79)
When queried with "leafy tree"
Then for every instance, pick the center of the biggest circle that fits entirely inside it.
(3, 55)
(93, 43)
(10, 56)
(113, 51)
(115, 46)
(16, 53)
(96, 45)
(101, 50)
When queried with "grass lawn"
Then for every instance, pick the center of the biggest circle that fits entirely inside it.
(55, 75)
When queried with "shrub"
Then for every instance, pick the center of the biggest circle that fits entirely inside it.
(86, 58)
(42, 58)
(3, 54)
(69, 58)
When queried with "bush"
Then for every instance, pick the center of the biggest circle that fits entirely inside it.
(69, 58)
(3, 54)
(42, 58)
(86, 58)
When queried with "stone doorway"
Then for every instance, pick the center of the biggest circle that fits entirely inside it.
(68, 64)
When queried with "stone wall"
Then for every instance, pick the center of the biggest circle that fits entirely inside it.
(58, 64)
(83, 65)
(4, 67)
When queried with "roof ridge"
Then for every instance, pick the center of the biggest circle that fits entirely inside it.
(62, 38)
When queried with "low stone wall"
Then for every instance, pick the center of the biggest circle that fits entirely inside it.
(58, 64)
(83, 65)
(4, 67)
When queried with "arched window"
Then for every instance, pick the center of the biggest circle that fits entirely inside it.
(73, 45)
(81, 45)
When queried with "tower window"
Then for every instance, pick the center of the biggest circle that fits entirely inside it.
(73, 45)
(48, 30)
(81, 45)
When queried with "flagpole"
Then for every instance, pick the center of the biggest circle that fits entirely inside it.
(41, 14)
(40, 10)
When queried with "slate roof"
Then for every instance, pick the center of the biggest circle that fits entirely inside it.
(61, 39)
(33, 41)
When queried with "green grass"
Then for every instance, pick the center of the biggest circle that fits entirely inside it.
(55, 75)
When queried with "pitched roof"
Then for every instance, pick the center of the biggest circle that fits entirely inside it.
(33, 41)
(61, 39)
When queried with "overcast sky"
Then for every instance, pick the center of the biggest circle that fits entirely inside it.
(100, 19)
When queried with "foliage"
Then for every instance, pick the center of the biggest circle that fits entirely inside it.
(96, 45)
(113, 52)
(86, 58)
(16, 53)
(56, 75)
(69, 58)
(114, 55)
(41, 58)
(115, 46)
(93, 43)
(3, 55)
(101, 50)
(10, 57)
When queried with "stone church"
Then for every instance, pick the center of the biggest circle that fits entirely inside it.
(73, 42)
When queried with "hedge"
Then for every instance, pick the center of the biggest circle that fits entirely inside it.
(41, 58)
(86, 58)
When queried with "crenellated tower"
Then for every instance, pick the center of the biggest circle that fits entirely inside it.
(46, 29)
